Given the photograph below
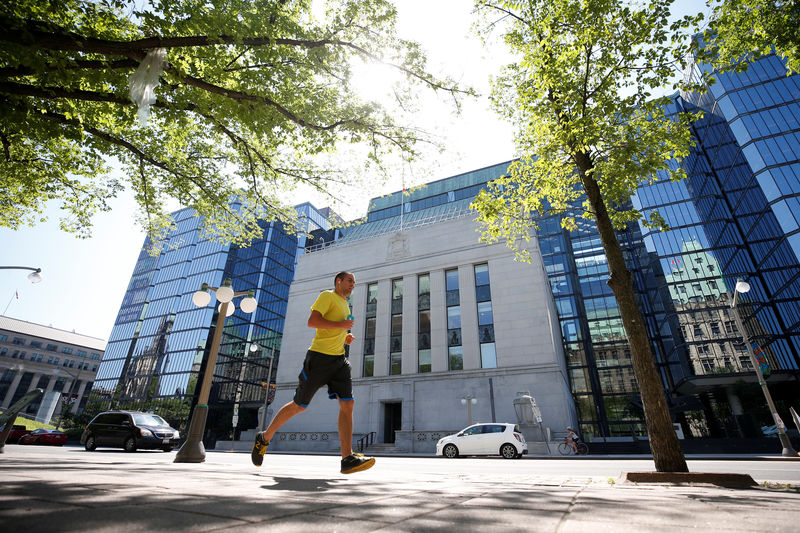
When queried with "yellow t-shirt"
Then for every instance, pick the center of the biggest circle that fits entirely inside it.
(334, 308)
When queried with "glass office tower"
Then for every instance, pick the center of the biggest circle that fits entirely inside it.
(736, 216)
(160, 341)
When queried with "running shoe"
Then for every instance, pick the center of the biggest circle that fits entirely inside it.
(356, 463)
(259, 448)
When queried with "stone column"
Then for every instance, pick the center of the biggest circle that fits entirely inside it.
(410, 324)
(81, 390)
(438, 322)
(13, 387)
(359, 300)
(50, 384)
(469, 317)
(382, 326)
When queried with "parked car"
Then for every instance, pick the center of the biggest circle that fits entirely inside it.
(52, 437)
(17, 430)
(129, 430)
(484, 439)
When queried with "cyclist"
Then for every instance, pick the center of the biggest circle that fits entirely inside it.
(572, 438)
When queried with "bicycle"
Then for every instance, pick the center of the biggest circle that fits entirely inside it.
(565, 448)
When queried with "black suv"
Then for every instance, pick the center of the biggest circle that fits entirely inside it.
(129, 430)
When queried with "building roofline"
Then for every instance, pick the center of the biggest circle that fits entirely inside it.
(47, 332)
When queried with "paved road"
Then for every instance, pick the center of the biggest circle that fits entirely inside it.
(68, 489)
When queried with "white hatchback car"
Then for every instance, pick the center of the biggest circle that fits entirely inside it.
(484, 439)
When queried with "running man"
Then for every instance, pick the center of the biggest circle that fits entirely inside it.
(325, 364)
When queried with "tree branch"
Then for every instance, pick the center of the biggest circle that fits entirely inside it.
(9, 72)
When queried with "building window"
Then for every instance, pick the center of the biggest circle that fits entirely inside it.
(455, 355)
(36, 344)
(18, 340)
(66, 350)
(81, 353)
(369, 330)
(485, 317)
(51, 348)
(424, 323)
(396, 333)
(3, 338)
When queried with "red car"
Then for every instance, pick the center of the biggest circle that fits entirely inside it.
(44, 436)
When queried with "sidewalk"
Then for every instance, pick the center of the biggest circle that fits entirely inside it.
(67, 489)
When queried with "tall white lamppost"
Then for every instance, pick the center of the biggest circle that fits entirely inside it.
(265, 385)
(743, 287)
(469, 400)
(66, 403)
(193, 450)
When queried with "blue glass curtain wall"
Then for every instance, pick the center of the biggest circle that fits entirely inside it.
(160, 342)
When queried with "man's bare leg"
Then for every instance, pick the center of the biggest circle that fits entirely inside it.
(346, 427)
(350, 462)
(262, 439)
(283, 415)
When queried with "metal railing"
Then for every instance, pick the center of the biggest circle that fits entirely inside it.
(366, 440)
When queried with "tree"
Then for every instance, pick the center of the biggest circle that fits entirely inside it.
(589, 132)
(741, 31)
(251, 100)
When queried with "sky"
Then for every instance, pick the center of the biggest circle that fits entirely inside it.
(84, 280)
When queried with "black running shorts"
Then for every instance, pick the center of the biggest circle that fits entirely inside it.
(322, 369)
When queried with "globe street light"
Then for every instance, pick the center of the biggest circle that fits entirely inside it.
(787, 451)
(469, 401)
(33, 277)
(193, 450)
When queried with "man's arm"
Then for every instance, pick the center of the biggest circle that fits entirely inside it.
(315, 320)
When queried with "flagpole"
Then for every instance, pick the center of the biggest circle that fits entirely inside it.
(402, 204)
(9, 302)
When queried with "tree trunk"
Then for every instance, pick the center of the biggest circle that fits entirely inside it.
(664, 444)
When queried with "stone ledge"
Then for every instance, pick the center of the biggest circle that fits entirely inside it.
(709, 478)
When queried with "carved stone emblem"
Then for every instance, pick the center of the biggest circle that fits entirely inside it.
(398, 246)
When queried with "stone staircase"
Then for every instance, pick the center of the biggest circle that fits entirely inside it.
(383, 448)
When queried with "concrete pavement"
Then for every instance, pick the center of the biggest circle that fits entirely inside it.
(68, 489)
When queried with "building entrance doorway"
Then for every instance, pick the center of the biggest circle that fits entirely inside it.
(391, 420)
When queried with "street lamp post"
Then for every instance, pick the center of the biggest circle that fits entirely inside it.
(69, 400)
(469, 400)
(263, 421)
(193, 450)
(34, 277)
(787, 451)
